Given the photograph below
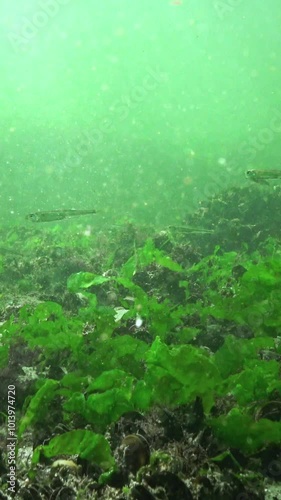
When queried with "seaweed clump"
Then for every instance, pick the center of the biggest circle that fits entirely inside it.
(156, 374)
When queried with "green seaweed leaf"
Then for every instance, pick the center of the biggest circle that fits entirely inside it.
(240, 431)
(109, 379)
(235, 353)
(88, 445)
(253, 383)
(108, 406)
(38, 405)
(186, 371)
(145, 256)
(81, 280)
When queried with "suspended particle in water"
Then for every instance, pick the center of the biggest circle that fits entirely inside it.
(139, 321)
(187, 181)
(87, 231)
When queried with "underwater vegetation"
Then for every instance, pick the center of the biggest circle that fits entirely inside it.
(146, 362)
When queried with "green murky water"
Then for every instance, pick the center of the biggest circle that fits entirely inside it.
(137, 109)
(140, 339)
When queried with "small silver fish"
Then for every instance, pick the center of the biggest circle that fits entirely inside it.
(262, 176)
(192, 230)
(53, 215)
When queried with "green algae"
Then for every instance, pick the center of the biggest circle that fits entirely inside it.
(105, 374)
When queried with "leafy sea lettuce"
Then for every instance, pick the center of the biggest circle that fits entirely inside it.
(38, 405)
(88, 445)
(177, 375)
(239, 430)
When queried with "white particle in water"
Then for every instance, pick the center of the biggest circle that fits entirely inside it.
(139, 322)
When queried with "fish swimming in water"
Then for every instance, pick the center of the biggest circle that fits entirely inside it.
(53, 215)
(262, 176)
(192, 230)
